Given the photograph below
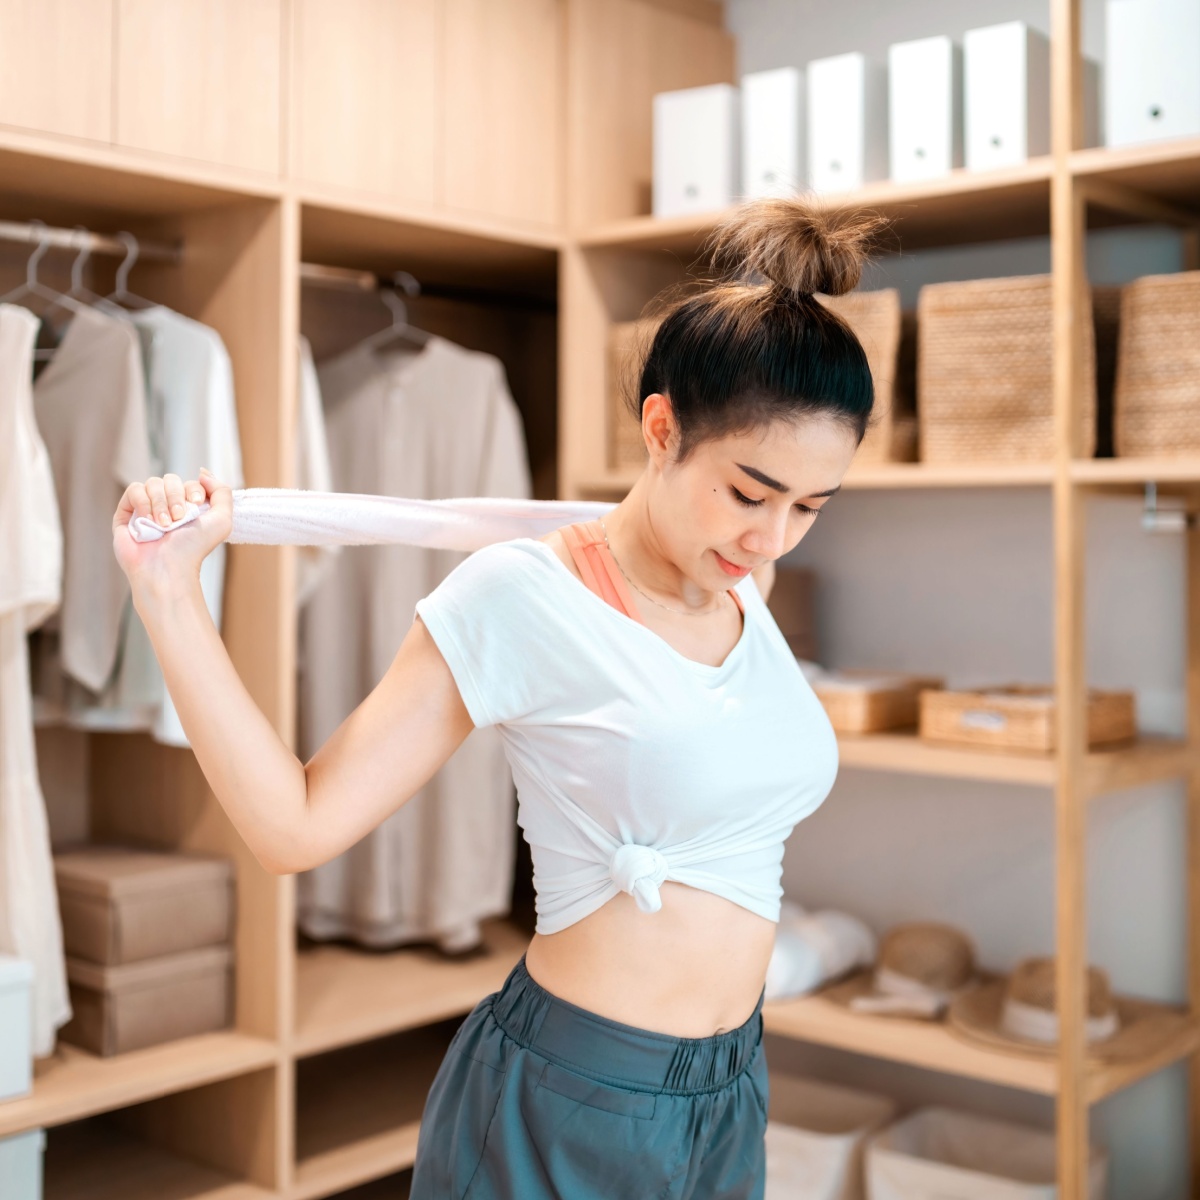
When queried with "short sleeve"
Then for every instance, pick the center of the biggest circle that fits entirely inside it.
(484, 617)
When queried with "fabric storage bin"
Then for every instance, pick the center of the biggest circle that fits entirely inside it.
(889, 338)
(21, 1165)
(985, 383)
(16, 1021)
(628, 342)
(871, 701)
(816, 1135)
(140, 1004)
(1157, 393)
(122, 905)
(940, 1154)
(1020, 718)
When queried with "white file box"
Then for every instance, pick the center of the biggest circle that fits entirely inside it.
(846, 124)
(1006, 95)
(816, 1136)
(772, 133)
(937, 1153)
(695, 150)
(1152, 73)
(21, 1165)
(924, 108)
(16, 1027)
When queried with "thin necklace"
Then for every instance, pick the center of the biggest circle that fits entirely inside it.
(679, 611)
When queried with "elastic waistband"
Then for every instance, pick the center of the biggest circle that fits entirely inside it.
(622, 1054)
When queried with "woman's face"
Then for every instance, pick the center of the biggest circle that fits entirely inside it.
(742, 500)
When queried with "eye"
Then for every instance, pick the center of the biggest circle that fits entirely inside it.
(745, 500)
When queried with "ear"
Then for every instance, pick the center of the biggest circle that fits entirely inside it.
(659, 430)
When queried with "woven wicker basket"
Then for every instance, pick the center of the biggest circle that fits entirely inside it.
(1019, 718)
(1157, 397)
(870, 702)
(889, 338)
(628, 342)
(985, 372)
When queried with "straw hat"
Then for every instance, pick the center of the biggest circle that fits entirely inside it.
(1019, 1014)
(921, 966)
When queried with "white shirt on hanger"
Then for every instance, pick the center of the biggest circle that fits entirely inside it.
(433, 424)
(30, 587)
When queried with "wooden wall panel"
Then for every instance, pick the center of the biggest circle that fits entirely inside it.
(503, 93)
(365, 91)
(56, 67)
(201, 79)
(620, 53)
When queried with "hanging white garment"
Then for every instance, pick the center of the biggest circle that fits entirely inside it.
(90, 404)
(191, 422)
(436, 423)
(30, 588)
(314, 472)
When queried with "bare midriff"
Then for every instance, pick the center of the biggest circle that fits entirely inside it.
(693, 969)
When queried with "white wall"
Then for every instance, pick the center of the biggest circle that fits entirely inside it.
(960, 582)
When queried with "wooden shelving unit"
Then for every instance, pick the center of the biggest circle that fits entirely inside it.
(319, 1085)
(344, 996)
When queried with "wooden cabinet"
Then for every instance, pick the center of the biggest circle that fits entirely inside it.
(201, 79)
(365, 95)
(55, 66)
(621, 53)
(503, 108)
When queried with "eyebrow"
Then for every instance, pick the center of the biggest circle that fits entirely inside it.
(767, 481)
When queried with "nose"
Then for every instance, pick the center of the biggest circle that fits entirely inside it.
(769, 536)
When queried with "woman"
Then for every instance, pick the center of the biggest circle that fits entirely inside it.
(662, 737)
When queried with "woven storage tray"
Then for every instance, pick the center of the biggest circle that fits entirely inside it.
(1017, 717)
(889, 338)
(872, 701)
(1157, 399)
(628, 342)
(985, 382)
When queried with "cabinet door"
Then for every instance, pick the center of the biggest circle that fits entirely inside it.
(201, 79)
(366, 95)
(56, 66)
(504, 96)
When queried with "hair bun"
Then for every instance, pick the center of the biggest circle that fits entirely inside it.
(797, 246)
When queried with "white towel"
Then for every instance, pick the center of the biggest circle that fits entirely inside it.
(291, 517)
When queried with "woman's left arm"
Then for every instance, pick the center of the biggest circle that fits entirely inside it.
(764, 576)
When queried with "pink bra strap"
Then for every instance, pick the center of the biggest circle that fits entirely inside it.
(599, 570)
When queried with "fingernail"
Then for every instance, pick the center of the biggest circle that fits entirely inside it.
(196, 496)
(163, 519)
(177, 511)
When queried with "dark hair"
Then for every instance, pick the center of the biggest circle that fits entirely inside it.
(753, 344)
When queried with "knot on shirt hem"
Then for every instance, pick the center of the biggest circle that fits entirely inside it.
(640, 871)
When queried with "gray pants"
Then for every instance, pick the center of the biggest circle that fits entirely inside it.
(538, 1099)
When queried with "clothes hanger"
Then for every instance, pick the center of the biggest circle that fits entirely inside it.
(121, 295)
(34, 287)
(79, 290)
(400, 332)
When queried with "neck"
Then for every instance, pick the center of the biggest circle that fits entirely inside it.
(635, 543)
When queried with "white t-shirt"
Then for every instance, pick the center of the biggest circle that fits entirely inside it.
(634, 764)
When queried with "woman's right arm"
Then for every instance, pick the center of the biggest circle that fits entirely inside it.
(292, 816)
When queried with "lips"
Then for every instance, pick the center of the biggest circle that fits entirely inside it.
(731, 568)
